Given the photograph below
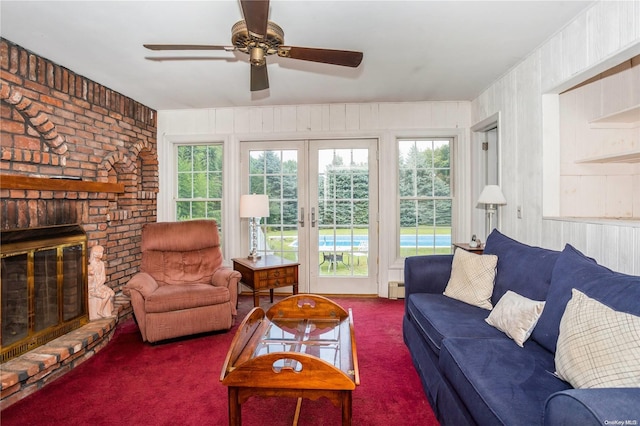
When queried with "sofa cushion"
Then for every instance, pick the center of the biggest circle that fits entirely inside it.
(176, 297)
(573, 269)
(472, 278)
(438, 317)
(516, 316)
(499, 382)
(598, 347)
(522, 268)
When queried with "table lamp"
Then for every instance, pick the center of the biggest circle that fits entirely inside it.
(492, 197)
(254, 207)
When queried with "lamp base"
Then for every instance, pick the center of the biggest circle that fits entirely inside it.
(253, 255)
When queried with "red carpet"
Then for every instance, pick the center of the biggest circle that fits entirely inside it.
(133, 383)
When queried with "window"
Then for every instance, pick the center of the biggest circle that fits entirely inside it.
(425, 196)
(199, 182)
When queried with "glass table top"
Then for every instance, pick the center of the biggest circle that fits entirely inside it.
(317, 337)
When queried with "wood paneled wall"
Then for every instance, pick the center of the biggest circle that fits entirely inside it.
(599, 38)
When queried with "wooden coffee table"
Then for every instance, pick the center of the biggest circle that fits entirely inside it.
(303, 347)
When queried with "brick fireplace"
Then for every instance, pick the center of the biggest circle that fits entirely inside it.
(74, 152)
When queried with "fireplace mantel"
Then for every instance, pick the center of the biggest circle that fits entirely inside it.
(49, 184)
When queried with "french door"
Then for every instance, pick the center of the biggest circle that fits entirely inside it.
(323, 202)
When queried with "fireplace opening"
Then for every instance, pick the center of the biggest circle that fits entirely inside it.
(43, 286)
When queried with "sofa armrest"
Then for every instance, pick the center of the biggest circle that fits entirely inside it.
(143, 283)
(229, 278)
(602, 406)
(427, 274)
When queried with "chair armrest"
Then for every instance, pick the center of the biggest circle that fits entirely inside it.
(224, 277)
(427, 274)
(613, 406)
(139, 287)
(229, 278)
(143, 283)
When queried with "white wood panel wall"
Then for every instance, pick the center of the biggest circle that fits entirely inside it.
(600, 37)
(384, 121)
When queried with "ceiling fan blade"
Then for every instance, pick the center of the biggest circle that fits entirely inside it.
(256, 15)
(259, 77)
(188, 47)
(189, 58)
(345, 58)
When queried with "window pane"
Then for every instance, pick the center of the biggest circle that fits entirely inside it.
(407, 186)
(184, 159)
(441, 183)
(424, 183)
(200, 158)
(215, 185)
(290, 187)
(256, 162)
(360, 212)
(198, 210)
(185, 185)
(274, 187)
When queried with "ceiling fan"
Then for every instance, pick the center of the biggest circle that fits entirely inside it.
(258, 37)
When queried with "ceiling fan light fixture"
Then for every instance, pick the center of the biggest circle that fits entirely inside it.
(257, 57)
(244, 41)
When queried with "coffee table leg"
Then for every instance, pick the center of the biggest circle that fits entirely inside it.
(295, 289)
(235, 411)
(256, 298)
(346, 408)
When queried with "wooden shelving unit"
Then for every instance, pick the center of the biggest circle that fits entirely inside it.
(623, 157)
(626, 119)
(50, 184)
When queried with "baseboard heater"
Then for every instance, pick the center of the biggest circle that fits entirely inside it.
(396, 290)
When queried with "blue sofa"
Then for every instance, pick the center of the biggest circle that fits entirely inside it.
(472, 373)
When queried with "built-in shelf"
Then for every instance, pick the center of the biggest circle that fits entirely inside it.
(622, 157)
(626, 119)
(50, 184)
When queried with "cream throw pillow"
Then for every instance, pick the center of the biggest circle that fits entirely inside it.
(516, 316)
(472, 278)
(598, 347)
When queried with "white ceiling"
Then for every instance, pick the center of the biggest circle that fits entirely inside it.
(413, 50)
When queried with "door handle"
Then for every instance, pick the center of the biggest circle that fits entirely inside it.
(313, 217)
(301, 221)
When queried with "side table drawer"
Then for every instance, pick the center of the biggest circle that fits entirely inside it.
(279, 273)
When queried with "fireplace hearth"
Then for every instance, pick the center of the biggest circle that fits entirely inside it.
(43, 286)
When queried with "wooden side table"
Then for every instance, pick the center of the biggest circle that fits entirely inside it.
(267, 273)
(465, 246)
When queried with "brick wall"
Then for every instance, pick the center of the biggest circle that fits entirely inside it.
(55, 123)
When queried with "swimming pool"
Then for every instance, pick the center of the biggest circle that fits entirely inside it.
(348, 241)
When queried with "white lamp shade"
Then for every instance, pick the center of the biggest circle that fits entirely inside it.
(254, 205)
(492, 194)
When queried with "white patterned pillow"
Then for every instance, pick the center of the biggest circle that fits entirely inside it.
(472, 278)
(516, 316)
(598, 347)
